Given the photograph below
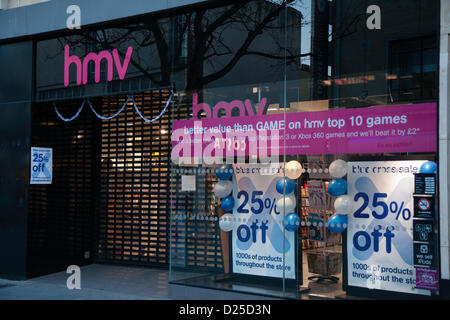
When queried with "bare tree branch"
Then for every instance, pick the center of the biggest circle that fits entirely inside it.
(241, 51)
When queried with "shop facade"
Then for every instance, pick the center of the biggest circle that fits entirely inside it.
(261, 147)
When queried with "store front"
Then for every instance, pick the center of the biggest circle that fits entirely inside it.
(258, 147)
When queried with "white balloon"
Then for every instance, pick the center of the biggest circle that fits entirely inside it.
(338, 168)
(226, 222)
(286, 204)
(343, 205)
(223, 188)
(293, 169)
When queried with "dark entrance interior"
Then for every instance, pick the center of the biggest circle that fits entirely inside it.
(110, 197)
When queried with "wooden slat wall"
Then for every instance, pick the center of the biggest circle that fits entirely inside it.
(133, 222)
(112, 188)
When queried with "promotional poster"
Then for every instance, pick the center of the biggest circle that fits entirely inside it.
(401, 128)
(41, 165)
(260, 246)
(380, 229)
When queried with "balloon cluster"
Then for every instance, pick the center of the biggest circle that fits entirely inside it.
(337, 188)
(287, 204)
(223, 189)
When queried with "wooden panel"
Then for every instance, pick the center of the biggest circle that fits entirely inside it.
(134, 195)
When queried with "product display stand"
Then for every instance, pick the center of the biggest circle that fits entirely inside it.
(321, 277)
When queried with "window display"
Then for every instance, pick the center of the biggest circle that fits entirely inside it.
(272, 147)
(313, 170)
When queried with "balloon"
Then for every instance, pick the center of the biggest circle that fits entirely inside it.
(227, 203)
(338, 168)
(224, 172)
(291, 221)
(337, 222)
(285, 185)
(226, 222)
(286, 204)
(428, 167)
(337, 187)
(223, 188)
(293, 169)
(343, 204)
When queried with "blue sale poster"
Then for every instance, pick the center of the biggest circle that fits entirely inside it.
(260, 245)
(380, 228)
(41, 165)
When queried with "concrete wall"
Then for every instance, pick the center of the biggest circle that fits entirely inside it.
(15, 114)
(8, 4)
(51, 15)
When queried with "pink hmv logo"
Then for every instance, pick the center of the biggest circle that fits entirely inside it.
(82, 67)
(228, 107)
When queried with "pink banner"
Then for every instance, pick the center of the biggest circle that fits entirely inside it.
(387, 129)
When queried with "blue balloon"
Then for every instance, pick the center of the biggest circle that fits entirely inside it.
(224, 172)
(337, 187)
(291, 222)
(285, 185)
(227, 203)
(428, 167)
(337, 222)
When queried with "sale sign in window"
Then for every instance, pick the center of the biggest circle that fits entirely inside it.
(261, 246)
(41, 165)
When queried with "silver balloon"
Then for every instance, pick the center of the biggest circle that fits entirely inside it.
(286, 204)
(343, 204)
(338, 168)
(226, 222)
(223, 188)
